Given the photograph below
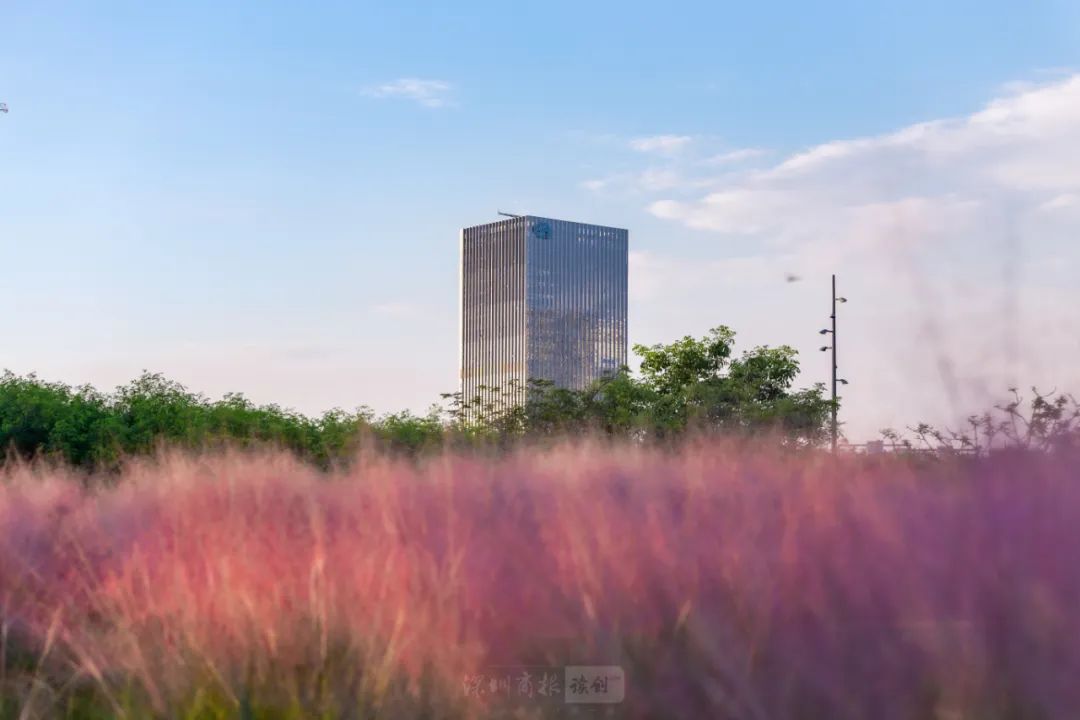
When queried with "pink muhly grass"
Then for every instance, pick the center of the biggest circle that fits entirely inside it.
(728, 580)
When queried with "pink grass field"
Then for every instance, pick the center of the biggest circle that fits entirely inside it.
(728, 581)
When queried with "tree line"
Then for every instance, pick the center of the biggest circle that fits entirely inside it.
(691, 385)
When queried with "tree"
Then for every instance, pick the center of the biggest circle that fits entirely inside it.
(670, 369)
(408, 433)
(697, 383)
(1045, 423)
(620, 404)
(690, 384)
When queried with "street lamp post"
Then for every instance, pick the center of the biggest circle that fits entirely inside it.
(832, 346)
(833, 317)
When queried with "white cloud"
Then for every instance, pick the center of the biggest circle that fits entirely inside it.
(1065, 201)
(429, 93)
(597, 184)
(659, 179)
(1023, 150)
(734, 157)
(649, 180)
(955, 239)
(662, 144)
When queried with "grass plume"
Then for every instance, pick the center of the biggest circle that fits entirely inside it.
(726, 580)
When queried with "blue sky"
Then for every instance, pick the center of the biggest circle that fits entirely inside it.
(265, 197)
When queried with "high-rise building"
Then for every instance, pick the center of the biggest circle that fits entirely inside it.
(541, 299)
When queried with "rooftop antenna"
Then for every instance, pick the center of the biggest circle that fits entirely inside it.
(500, 212)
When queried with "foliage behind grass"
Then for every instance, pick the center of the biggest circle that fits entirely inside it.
(728, 580)
(94, 430)
(692, 385)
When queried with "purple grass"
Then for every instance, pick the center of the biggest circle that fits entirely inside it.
(726, 580)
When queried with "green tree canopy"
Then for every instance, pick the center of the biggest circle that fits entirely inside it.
(692, 384)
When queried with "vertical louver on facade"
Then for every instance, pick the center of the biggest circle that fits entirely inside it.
(541, 299)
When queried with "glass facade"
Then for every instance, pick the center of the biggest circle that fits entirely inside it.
(541, 299)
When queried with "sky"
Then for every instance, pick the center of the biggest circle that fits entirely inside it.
(265, 197)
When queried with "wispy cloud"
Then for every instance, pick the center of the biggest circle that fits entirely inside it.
(597, 184)
(1020, 152)
(954, 238)
(428, 93)
(734, 157)
(662, 144)
(649, 180)
(1065, 201)
(676, 163)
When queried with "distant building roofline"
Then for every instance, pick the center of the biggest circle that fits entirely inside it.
(517, 218)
